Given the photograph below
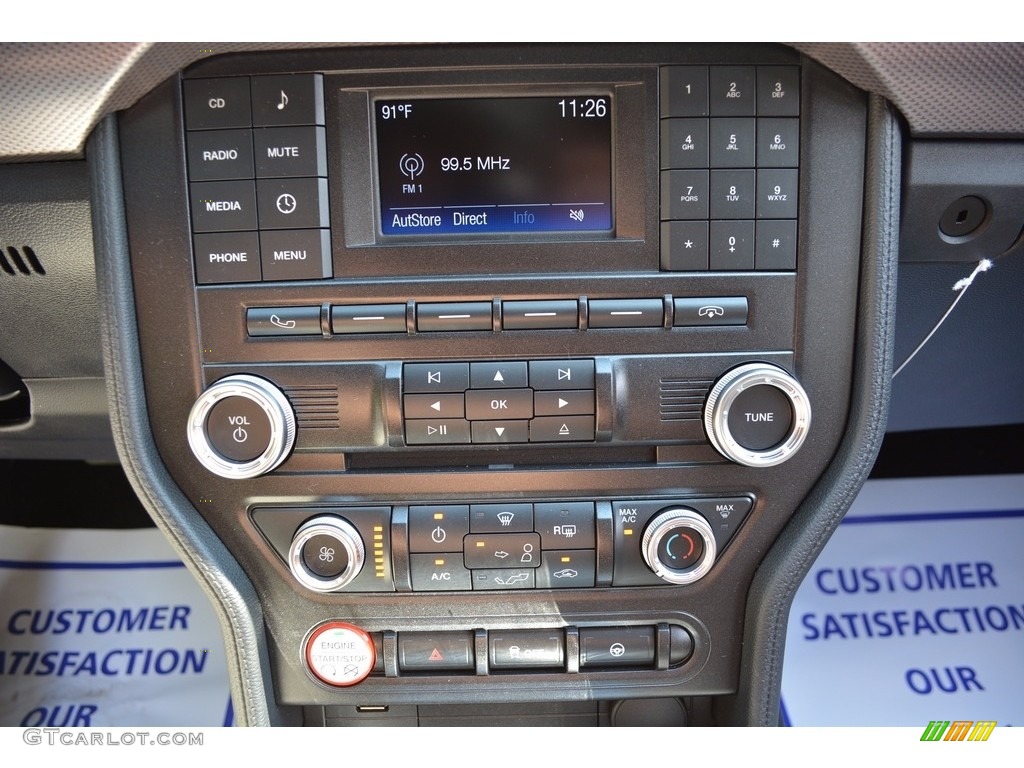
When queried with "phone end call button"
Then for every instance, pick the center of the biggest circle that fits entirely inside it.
(713, 311)
(283, 321)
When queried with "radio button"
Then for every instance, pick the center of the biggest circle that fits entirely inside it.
(684, 195)
(296, 254)
(684, 246)
(554, 429)
(501, 431)
(562, 374)
(565, 525)
(435, 377)
(504, 578)
(507, 404)
(436, 431)
(454, 316)
(434, 406)
(499, 375)
(438, 528)
(732, 90)
(223, 206)
(732, 142)
(564, 402)
(288, 100)
(290, 152)
(221, 102)
(684, 143)
(442, 572)
(626, 313)
(539, 315)
(713, 311)
(228, 257)
(501, 518)
(215, 155)
(567, 569)
(283, 321)
(684, 91)
(502, 550)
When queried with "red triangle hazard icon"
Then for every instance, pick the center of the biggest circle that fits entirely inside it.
(435, 655)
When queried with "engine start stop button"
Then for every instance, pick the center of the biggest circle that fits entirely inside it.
(340, 654)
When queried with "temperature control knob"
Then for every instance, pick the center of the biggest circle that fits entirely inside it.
(326, 554)
(242, 426)
(679, 545)
(757, 415)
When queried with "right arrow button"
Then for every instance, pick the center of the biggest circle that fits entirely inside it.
(566, 402)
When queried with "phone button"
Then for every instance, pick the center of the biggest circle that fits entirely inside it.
(711, 311)
(283, 321)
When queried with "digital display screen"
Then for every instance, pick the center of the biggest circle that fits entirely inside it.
(495, 165)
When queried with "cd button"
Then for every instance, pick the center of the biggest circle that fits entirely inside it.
(221, 102)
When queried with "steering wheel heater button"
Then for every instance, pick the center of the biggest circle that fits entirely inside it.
(238, 429)
(340, 654)
(760, 417)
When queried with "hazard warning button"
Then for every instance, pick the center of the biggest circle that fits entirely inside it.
(436, 651)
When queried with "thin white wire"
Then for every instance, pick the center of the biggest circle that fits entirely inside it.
(960, 287)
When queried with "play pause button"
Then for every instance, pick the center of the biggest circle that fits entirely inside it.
(500, 431)
(436, 431)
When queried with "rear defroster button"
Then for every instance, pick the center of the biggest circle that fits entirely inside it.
(340, 654)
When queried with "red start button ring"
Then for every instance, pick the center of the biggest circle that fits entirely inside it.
(339, 654)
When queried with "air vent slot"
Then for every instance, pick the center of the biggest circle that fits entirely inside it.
(315, 407)
(15, 261)
(683, 399)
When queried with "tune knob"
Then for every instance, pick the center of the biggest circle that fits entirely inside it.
(757, 415)
(242, 426)
(327, 552)
(679, 545)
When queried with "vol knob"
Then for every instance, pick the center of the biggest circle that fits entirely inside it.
(757, 415)
(242, 426)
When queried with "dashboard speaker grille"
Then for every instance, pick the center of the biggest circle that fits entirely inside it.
(683, 399)
(14, 261)
(315, 407)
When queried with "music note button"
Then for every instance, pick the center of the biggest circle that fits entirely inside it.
(279, 100)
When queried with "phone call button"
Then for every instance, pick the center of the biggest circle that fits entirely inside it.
(283, 321)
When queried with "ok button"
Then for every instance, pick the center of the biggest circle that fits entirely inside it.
(499, 404)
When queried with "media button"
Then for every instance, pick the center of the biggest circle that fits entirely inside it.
(223, 206)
